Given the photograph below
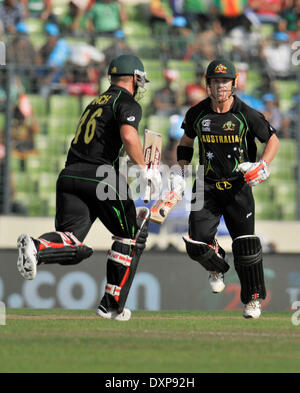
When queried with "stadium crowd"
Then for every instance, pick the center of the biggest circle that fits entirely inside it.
(69, 60)
(70, 51)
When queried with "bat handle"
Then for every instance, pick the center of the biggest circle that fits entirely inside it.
(147, 196)
(172, 181)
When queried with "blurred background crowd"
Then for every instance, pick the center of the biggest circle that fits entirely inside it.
(57, 54)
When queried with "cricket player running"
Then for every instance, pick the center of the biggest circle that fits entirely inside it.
(91, 186)
(227, 129)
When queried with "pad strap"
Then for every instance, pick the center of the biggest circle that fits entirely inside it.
(62, 239)
(68, 237)
(128, 242)
(113, 290)
(119, 257)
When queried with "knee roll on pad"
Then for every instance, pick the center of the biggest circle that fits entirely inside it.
(143, 218)
(62, 248)
(205, 255)
(247, 253)
(122, 263)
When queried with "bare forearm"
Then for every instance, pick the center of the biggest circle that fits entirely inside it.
(271, 149)
(182, 163)
(132, 145)
(135, 153)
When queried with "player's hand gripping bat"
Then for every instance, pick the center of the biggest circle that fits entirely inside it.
(162, 207)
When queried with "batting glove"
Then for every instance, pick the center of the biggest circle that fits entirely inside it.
(177, 182)
(151, 176)
(255, 172)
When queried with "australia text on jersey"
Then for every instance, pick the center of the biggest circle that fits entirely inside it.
(220, 139)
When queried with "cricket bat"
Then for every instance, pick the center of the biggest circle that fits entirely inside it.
(162, 207)
(152, 154)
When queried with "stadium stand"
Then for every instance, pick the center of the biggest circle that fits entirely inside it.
(276, 198)
(58, 115)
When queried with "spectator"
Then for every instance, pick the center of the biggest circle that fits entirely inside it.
(166, 100)
(232, 14)
(119, 47)
(176, 41)
(73, 22)
(161, 17)
(267, 82)
(41, 9)
(24, 128)
(243, 74)
(106, 16)
(267, 11)
(248, 98)
(15, 206)
(272, 111)
(290, 120)
(11, 13)
(207, 44)
(198, 14)
(88, 4)
(53, 54)
(252, 101)
(15, 89)
(264, 89)
(85, 61)
(21, 52)
(239, 40)
(282, 26)
(295, 35)
(277, 55)
(291, 15)
(195, 92)
(175, 132)
(177, 7)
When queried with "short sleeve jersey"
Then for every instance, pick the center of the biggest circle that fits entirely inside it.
(97, 139)
(226, 139)
(105, 16)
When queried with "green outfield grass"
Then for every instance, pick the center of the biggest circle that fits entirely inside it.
(61, 340)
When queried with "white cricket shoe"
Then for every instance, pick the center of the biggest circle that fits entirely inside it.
(216, 281)
(125, 315)
(252, 309)
(27, 260)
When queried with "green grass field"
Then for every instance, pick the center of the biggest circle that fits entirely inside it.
(59, 340)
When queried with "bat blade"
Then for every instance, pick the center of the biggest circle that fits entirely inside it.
(162, 207)
(152, 155)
